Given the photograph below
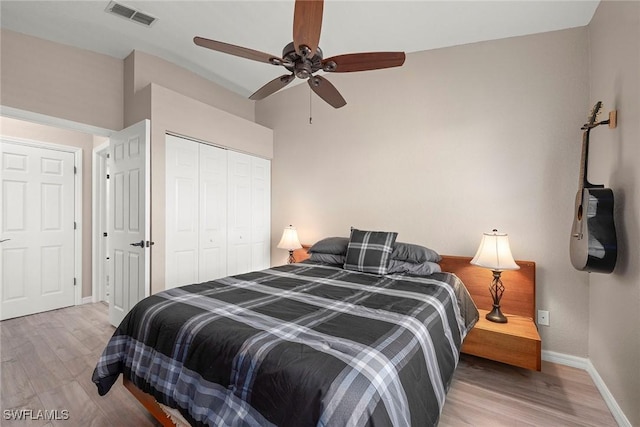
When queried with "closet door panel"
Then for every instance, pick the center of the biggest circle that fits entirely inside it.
(260, 213)
(181, 212)
(213, 213)
(239, 215)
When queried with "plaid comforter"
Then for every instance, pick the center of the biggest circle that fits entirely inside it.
(297, 345)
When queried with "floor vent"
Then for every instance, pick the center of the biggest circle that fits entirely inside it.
(130, 13)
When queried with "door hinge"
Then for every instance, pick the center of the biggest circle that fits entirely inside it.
(108, 155)
(75, 170)
(74, 282)
(104, 234)
(75, 225)
(107, 176)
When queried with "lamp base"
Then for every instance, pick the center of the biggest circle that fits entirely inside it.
(496, 315)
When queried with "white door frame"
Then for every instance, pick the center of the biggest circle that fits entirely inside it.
(98, 208)
(77, 209)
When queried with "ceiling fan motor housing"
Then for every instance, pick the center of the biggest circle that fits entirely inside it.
(302, 67)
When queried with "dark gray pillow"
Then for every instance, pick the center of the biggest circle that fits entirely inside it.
(418, 269)
(331, 245)
(370, 251)
(414, 253)
(327, 258)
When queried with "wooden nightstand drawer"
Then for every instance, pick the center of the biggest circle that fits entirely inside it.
(515, 343)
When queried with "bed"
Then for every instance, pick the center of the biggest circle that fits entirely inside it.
(304, 344)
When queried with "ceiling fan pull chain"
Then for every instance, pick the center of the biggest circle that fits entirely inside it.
(310, 118)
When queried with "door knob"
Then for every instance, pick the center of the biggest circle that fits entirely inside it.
(140, 244)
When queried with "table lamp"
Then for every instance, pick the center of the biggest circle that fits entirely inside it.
(494, 253)
(290, 242)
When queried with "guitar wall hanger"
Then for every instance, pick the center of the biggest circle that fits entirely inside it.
(612, 121)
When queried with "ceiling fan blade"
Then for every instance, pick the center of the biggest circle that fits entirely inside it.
(272, 87)
(242, 52)
(363, 61)
(307, 23)
(325, 90)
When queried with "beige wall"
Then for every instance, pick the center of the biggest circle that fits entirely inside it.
(36, 132)
(614, 314)
(60, 81)
(456, 142)
(142, 69)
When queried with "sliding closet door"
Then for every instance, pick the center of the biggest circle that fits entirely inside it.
(182, 225)
(213, 213)
(218, 212)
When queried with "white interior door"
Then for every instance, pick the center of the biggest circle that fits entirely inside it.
(37, 261)
(129, 234)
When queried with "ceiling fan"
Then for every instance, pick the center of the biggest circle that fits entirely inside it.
(303, 57)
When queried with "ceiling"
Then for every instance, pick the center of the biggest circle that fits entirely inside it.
(265, 25)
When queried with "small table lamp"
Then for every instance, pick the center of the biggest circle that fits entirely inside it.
(494, 253)
(290, 242)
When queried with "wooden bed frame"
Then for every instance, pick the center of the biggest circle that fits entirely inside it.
(149, 403)
(518, 299)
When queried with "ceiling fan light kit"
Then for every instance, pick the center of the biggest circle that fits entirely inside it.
(303, 57)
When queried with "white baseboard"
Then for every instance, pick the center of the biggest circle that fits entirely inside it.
(87, 300)
(565, 359)
(584, 363)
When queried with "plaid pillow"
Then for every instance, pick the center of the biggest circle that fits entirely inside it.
(370, 251)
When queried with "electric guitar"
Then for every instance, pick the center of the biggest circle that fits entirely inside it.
(593, 246)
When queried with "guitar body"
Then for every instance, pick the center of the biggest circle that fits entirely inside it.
(593, 246)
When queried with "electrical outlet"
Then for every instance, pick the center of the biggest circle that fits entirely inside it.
(543, 317)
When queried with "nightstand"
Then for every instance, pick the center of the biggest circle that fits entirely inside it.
(516, 342)
(301, 254)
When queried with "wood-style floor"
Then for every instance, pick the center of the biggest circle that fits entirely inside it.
(48, 359)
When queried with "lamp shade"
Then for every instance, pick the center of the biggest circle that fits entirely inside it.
(494, 252)
(289, 239)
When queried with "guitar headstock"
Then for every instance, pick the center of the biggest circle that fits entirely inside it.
(595, 111)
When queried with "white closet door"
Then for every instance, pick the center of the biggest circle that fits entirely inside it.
(260, 213)
(213, 213)
(218, 212)
(239, 245)
(181, 203)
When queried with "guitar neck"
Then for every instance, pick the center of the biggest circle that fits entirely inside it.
(584, 160)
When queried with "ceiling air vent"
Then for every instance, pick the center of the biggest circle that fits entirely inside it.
(130, 13)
